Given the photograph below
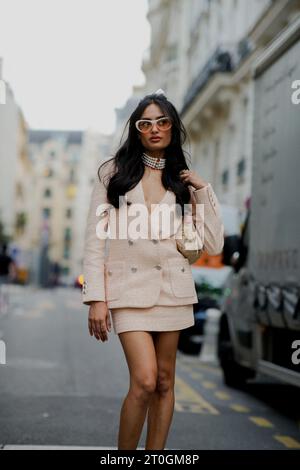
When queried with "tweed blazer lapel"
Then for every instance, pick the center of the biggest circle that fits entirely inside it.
(163, 219)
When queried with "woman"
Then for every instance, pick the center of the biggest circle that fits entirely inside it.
(145, 282)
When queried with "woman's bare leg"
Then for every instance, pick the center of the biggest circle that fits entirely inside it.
(161, 406)
(141, 360)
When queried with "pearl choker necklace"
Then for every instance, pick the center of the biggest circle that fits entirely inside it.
(157, 163)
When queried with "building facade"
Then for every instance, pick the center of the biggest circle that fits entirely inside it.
(201, 54)
(56, 157)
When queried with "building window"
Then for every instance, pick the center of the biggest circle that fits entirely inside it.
(20, 222)
(72, 176)
(68, 234)
(171, 53)
(65, 270)
(46, 212)
(48, 173)
(241, 168)
(47, 192)
(225, 178)
(69, 213)
(75, 156)
(66, 252)
(71, 191)
(67, 242)
(19, 190)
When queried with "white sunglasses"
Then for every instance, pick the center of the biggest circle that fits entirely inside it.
(146, 125)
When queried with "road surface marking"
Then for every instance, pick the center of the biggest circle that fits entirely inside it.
(222, 395)
(214, 370)
(240, 408)
(189, 400)
(207, 384)
(288, 442)
(196, 375)
(263, 422)
(194, 365)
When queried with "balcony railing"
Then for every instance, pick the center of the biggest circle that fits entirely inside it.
(225, 58)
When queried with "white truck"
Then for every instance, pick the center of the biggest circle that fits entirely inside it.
(259, 328)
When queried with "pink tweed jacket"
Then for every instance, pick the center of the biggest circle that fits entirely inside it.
(135, 272)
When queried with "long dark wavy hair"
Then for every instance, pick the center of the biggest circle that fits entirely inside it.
(129, 167)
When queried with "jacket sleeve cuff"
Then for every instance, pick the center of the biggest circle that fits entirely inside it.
(93, 296)
(213, 224)
(206, 195)
(93, 289)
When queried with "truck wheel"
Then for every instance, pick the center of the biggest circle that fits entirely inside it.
(234, 375)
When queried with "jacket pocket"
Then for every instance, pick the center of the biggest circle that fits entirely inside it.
(114, 279)
(181, 278)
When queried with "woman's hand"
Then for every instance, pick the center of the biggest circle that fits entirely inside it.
(99, 320)
(191, 177)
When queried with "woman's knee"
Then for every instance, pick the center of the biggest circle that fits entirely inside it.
(165, 381)
(144, 385)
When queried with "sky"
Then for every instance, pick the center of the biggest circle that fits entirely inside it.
(70, 63)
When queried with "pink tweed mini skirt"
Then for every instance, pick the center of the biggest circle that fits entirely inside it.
(156, 318)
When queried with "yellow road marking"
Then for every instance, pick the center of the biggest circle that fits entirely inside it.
(239, 408)
(222, 395)
(263, 422)
(197, 365)
(287, 441)
(189, 400)
(207, 384)
(196, 375)
(210, 369)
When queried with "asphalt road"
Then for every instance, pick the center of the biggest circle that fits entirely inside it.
(61, 387)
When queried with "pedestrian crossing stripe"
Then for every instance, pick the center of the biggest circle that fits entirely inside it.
(189, 400)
